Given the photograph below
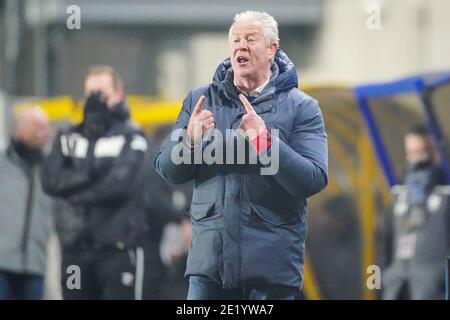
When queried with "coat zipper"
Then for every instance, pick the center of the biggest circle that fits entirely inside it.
(28, 220)
(239, 230)
(238, 102)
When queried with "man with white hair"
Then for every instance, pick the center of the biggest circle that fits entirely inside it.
(249, 225)
(25, 211)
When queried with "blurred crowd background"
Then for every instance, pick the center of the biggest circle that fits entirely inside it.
(163, 49)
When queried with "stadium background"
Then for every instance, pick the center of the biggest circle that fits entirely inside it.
(164, 48)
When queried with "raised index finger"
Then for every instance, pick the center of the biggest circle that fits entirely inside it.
(247, 105)
(199, 106)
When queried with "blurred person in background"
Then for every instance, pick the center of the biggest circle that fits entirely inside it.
(249, 229)
(26, 212)
(99, 168)
(419, 226)
(170, 228)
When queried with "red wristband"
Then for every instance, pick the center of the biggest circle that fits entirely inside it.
(262, 142)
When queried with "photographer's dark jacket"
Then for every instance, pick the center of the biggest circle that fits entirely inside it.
(250, 228)
(99, 167)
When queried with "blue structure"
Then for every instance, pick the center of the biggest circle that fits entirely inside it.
(421, 85)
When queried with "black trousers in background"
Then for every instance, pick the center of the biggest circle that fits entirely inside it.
(107, 274)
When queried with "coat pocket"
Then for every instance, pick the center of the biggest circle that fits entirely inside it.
(205, 254)
(202, 211)
(291, 216)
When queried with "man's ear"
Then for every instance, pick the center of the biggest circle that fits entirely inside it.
(273, 49)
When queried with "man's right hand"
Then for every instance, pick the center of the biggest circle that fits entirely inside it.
(201, 121)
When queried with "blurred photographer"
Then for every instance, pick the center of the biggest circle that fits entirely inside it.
(98, 167)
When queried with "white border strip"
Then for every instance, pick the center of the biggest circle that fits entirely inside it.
(139, 274)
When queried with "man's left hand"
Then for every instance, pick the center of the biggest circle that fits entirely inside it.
(251, 123)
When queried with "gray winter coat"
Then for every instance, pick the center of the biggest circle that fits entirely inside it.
(24, 230)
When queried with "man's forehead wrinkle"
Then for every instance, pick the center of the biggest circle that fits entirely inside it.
(253, 29)
(251, 33)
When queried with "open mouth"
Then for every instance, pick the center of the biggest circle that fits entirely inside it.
(241, 60)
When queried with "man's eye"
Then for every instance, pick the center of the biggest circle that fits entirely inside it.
(235, 40)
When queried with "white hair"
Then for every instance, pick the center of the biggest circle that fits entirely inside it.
(270, 25)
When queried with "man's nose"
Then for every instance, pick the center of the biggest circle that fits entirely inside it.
(242, 45)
